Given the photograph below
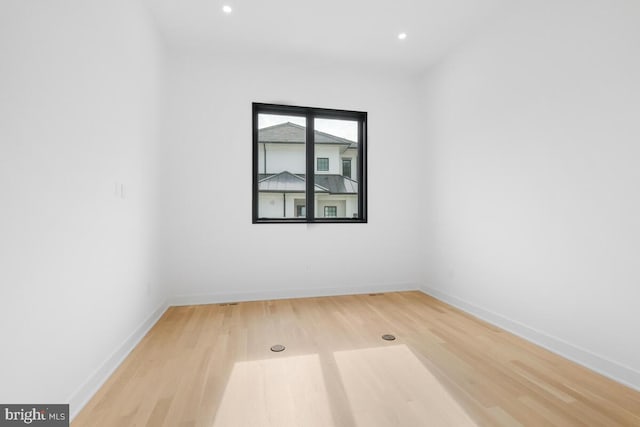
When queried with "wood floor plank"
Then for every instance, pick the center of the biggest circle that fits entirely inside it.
(210, 365)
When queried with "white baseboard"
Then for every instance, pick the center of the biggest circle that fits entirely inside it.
(599, 364)
(264, 295)
(82, 396)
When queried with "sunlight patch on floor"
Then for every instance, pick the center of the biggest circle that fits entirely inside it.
(288, 391)
(389, 386)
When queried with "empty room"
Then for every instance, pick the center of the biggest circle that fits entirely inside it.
(244, 213)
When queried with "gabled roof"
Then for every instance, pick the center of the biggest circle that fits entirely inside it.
(291, 133)
(287, 182)
(337, 184)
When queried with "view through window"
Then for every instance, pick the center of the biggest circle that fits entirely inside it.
(309, 164)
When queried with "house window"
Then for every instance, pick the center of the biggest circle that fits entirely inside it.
(330, 211)
(293, 148)
(346, 168)
(323, 164)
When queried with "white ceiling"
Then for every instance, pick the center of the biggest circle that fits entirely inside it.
(355, 31)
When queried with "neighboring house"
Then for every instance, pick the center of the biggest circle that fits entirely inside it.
(281, 173)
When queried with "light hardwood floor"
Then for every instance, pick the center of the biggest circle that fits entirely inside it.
(210, 365)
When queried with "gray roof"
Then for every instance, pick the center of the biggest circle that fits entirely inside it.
(337, 184)
(292, 133)
(287, 182)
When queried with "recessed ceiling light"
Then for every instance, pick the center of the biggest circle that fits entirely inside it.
(227, 9)
(402, 36)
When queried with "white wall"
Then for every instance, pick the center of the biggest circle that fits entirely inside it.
(331, 152)
(210, 246)
(282, 157)
(533, 152)
(78, 85)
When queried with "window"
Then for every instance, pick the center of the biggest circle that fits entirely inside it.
(294, 151)
(323, 164)
(346, 168)
(330, 211)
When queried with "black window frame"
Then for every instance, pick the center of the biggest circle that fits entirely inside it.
(311, 113)
(318, 164)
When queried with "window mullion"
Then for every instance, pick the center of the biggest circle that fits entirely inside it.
(255, 195)
(310, 172)
(362, 167)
